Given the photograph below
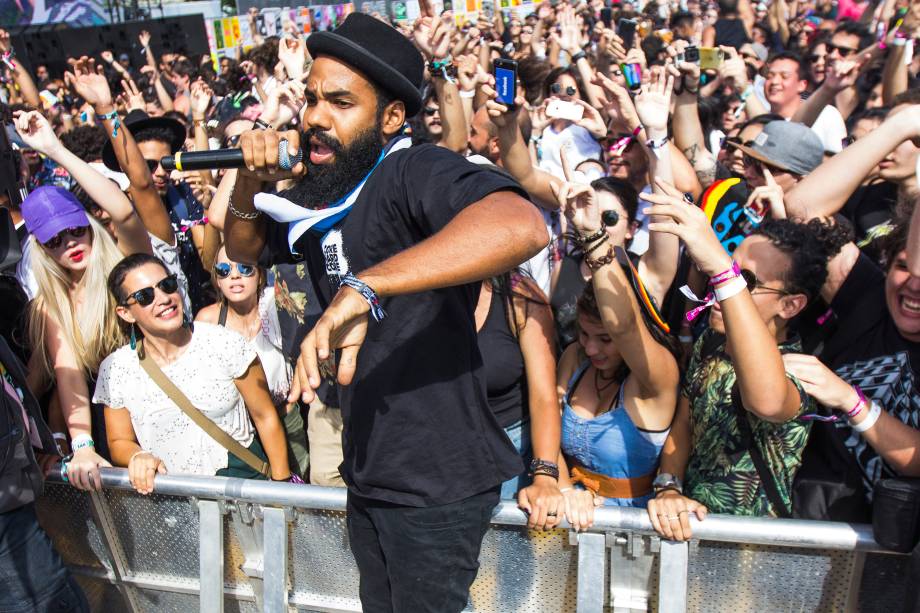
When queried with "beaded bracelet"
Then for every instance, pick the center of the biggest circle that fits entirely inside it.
(445, 67)
(595, 265)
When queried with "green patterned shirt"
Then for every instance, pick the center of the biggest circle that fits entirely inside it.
(720, 473)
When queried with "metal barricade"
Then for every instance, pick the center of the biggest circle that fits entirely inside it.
(231, 545)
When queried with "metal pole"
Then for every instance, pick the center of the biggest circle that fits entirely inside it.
(275, 550)
(673, 563)
(592, 554)
(211, 556)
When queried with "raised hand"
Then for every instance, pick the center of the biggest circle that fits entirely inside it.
(570, 33)
(843, 73)
(144, 38)
(5, 44)
(617, 101)
(691, 225)
(653, 104)
(768, 197)
(500, 114)
(291, 95)
(591, 120)
(577, 200)
(200, 98)
(292, 52)
(134, 99)
(36, 132)
(107, 56)
(89, 83)
(734, 68)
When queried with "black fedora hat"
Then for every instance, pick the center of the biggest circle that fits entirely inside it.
(138, 121)
(379, 51)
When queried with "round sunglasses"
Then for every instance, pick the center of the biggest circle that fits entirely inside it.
(55, 241)
(144, 296)
(223, 270)
(556, 88)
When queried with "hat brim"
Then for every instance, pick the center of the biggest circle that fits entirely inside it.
(176, 130)
(51, 228)
(757, 155)
(382, 74)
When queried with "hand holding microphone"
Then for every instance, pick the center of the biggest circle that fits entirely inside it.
(265, 154)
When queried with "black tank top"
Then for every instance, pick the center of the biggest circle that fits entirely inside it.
(569, 286)
(506, 380)
(731, 33)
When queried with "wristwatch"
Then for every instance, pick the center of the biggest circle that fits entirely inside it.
(667, 481)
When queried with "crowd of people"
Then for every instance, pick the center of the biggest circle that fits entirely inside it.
(671, 263)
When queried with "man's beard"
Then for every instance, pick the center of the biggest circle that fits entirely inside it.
(325, 184)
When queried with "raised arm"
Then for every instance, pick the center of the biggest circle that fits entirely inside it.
(895, 76)
(433, 36)
(824, 192)
(36, 132)
(688, 131)
(765, 389)
(21, 76)
(94, 88)
(200, 99)
(841, 76)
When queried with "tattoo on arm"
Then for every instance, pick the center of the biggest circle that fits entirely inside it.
(702, 162)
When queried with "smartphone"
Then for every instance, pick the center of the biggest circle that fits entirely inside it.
(626, 30)
(692, 54)
(562, 109)
(711, 58)
(505, 72)
(48, 99)
(607, 16)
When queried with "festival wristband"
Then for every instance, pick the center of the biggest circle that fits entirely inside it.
(730, 289)
(467, 93)
(860, 403)
(722, 277)
(875, 412)
(367, 293)
(81, 441)
(113, 117)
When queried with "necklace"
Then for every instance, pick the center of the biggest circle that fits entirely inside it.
(600, 388)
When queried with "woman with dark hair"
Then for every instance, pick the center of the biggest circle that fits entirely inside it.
(579, 137)
(215, 368)
(618, 384)
(515, 332)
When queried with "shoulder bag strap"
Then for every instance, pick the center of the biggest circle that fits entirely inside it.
(222, 318)
(763, 470)
(213, 430)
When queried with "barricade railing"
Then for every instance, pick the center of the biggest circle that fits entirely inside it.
(217, 544)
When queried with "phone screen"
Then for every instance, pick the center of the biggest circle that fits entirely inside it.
(504, 85)
(626, 29)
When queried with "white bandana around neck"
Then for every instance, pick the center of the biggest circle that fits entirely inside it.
(302, 219)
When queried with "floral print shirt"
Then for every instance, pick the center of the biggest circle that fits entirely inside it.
(720, 473)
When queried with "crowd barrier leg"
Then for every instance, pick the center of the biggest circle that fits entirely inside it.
(103, 518)
(275, 552)
(245, 525)
(632, 571)
(211, 560)
(673, 564)
(592, 555)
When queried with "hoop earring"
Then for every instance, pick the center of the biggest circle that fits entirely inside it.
(133, 339)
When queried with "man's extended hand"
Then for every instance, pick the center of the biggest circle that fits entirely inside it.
(343, 326)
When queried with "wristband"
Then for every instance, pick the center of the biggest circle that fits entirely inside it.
(467, 94)
(81, 440)
(445, 67)
(59, 436)
(543, 467)
(730, 289)
(860, 403)
(262, 124)
(137, 453)
(722, 277)
(654, 144)
(578, 56)
(350, 280)
(113, 117)
(875, 412)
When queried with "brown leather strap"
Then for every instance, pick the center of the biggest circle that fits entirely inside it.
(610, 487)
(211, 429)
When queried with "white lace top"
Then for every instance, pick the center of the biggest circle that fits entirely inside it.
(205, 373)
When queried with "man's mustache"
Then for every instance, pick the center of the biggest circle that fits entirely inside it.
(334, 144)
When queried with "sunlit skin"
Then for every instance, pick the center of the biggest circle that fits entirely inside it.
(164, 316)
(630, 165)
(899, 165)
(431, 115)
(784, 87)
(598, 346)
(236, 288)
(768, 263)
(732, 156)
(156, 150)
(73, 253)
(342, 103)
(753, 174)
(482, 141)
(902, 295)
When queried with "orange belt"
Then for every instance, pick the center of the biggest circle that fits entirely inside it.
(610, 487)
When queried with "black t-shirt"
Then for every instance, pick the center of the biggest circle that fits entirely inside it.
(868, 207)
(418, 429)
(866, 349)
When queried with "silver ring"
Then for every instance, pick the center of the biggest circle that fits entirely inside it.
(552, 514)
(673, 517)
(285, 161)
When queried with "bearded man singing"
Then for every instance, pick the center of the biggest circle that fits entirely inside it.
(396, 240)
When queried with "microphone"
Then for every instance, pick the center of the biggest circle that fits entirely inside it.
(223, 158)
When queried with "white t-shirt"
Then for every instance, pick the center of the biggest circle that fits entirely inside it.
(579, 143)
(169, 255)
(205, 373)
(831, 129)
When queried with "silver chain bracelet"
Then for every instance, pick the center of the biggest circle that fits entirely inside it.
(238, 213)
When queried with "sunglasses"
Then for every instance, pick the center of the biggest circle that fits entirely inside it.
(232, 141)
(144, 296)
(153, 165)
(429, 112)
(223, 270)
(754, 283)
(556, 88)
(843, 51)
(610, 218)
(734, 141)
(758, 165)
(55, 241)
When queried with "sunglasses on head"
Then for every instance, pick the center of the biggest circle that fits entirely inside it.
(55, 241)
(144, 296)
(754, 283)
(556, 88)
(223, 269)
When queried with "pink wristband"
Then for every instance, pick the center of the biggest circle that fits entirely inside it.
(860, 403)
(731, 273)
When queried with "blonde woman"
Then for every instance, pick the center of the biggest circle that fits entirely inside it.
(72, 321)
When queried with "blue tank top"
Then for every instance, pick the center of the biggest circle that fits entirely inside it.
(610, 444)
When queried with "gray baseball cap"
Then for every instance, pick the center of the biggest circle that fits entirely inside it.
(791, 146)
